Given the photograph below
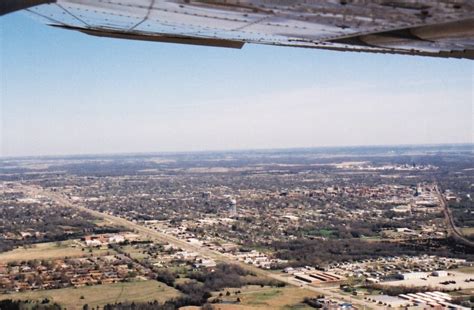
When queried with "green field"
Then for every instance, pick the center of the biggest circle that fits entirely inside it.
(134, 253)
(50, 250)
(261, 297)
(326, 232)
(256, 297)
(98, 295)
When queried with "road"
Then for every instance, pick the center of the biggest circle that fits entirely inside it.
(118, 221)
(203, 251)
(451, 227)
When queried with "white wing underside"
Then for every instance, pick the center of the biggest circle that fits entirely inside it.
(428, 28)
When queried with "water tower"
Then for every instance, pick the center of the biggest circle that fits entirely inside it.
(232, 207)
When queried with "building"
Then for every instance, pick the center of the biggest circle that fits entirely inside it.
(304, 277)
(439, 273)
(372, 280)
(116, 239)
(433, 300)
(206, 263)
(412, 275)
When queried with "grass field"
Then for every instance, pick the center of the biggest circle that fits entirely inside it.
(134, 253)
(48, 250)
(99, 295)
(256, 297)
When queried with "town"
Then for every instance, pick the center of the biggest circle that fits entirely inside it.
(318, 229)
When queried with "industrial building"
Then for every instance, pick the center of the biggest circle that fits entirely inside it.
(412, 275)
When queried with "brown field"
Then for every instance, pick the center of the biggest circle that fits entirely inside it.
(469, 270)
(98, 295)
(467, 231)
(256, 297)
(48, 250)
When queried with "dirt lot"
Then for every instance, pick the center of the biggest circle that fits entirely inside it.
(458, 277)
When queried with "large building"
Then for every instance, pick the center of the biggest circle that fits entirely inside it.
(412, 275)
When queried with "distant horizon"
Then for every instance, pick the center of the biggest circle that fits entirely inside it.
(64, 93)
(151, 153)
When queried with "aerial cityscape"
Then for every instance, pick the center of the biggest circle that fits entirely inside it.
(355, 227)
(236, 154)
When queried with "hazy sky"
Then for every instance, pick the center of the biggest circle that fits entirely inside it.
(67, 93)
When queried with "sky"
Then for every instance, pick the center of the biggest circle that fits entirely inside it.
(64, 92)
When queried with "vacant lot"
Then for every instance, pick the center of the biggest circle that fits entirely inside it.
(135, 253)
(256, 297)
(467, 231)
(469, 270)
(49, 250)
(458, 279)
(99, 295)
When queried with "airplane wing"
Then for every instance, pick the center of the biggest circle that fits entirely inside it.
(442, 28)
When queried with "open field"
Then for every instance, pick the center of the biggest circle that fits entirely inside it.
(49, 250)
(70, 298)
(467, 231)
(135, 253)
(256, 297)
(469, 270)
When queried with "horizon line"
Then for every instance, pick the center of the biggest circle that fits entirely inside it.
(144, 153)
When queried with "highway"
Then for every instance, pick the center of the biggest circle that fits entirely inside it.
(453, 231)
